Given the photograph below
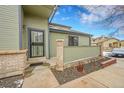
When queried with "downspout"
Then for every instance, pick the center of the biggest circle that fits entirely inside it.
(90, 40)
(50, 18)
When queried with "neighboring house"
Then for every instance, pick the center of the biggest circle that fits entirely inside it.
(107, 43)
(122, 43)
(95, 41)
(71, 37)
(27, 27)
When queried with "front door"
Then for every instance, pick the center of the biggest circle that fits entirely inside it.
(36, 43)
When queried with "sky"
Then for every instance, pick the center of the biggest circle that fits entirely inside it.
(82, 19)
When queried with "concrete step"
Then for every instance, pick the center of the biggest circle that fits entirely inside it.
(37, 60)
(108, 62)
(52, 61)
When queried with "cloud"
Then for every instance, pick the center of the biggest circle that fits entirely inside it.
(109, 16)
(57, 13)
(96, 13)
(65, 18)
(84, 18)
(121, 31)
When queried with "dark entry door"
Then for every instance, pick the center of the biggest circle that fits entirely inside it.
(36, 43)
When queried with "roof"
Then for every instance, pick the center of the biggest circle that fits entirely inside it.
(59, 25)
(111, 38)
(66, 31)
(73, 32)
(122, 41)
(106, 39)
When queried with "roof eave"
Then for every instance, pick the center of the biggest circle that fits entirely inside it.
(68, 32)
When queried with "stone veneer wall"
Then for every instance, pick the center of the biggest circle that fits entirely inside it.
(12, 62)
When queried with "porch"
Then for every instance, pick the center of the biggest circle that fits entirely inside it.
(28, 31)
(35, 32)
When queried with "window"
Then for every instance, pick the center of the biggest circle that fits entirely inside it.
(120, 44)
(73, 40)
(110, 45)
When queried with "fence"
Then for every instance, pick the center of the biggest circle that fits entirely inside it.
(72, 53)
(68, 54)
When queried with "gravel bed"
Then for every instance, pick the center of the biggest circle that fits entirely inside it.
(12, 82)
(72, 73)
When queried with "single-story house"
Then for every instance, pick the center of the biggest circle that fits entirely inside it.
(70, 37)
(70, 45)
(25, 32)
(107, 43)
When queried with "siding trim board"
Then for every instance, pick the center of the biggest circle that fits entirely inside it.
(20, 26)
(69, 32)
(48, 40)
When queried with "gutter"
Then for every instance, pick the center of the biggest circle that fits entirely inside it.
(53, 13)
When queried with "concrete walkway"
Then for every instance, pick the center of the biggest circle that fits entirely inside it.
(40, 77)
(111, 76)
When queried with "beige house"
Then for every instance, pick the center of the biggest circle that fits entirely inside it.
(122, 43)
(107, 43)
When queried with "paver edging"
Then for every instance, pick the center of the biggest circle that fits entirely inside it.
(108, 62)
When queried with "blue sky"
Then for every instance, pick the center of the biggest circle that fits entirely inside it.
(79, 19)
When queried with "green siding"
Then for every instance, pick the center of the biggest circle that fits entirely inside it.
(9, 27)
(75, 53)
(53, 37)
(83, 41)
(36, 23)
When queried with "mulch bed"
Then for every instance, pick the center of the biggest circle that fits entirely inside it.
(12, 82)
(74, 72)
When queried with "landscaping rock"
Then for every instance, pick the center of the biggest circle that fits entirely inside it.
(78, 70)
(12, 82)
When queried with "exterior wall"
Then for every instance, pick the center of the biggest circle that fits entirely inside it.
(79, 52)
(83, 41)
(105, 44)
(53, 38)
(94, 44)
(37, 23)
(9, 27)
(12, 62)
(122, 43)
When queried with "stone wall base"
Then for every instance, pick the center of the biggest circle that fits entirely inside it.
(12, 62)
(4, 75)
